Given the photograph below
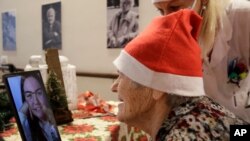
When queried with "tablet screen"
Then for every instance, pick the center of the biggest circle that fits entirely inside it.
(33, 113)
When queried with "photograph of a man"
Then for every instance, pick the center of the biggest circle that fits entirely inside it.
(52, 36)
(122, 22)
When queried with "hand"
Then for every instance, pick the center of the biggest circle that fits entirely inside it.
(121, 40)
(24, 108)
(112, 42)
(55, 34)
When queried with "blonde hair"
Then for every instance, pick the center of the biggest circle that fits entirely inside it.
(212, 18)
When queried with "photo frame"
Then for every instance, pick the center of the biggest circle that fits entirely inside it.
(51, 26)
(9, 30)
(122, 21)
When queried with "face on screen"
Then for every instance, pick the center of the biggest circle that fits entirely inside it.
(35, 97)
(34, 115)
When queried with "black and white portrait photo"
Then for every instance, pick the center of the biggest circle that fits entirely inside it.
(9, 30)
(51, 26)
(122, 21)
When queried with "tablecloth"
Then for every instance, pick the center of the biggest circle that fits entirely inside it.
(93, 128)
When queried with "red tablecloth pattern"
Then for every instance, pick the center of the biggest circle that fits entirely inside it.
(89, 127)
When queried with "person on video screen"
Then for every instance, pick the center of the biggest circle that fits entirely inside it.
(35, 113)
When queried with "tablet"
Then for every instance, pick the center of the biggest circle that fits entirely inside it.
(31, 106)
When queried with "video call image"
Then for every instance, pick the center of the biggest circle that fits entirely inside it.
(29, 98)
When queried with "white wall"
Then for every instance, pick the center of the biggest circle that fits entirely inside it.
(83, 37)
(83, 32)
(100, 86)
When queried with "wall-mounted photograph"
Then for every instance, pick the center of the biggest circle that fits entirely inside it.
(51, 26)
(9, 30)
(122, 21)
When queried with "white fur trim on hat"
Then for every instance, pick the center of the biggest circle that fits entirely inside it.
(155, 1)
(165, 82)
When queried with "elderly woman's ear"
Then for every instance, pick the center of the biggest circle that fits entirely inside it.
(158, 94)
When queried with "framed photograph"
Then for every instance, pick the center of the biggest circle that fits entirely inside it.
(51, 26)
(9, 30)
(122, 21)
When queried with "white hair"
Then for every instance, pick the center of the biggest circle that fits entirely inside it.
(51, 9)
(172, 100)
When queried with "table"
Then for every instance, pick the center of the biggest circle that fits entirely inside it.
(94, 128)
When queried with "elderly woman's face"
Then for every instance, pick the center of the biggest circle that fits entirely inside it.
(136, 100)
(167, 7)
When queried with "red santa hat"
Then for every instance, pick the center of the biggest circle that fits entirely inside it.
(166, 55)
(155, 1)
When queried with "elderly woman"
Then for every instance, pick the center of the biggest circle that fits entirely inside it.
(160, 83)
